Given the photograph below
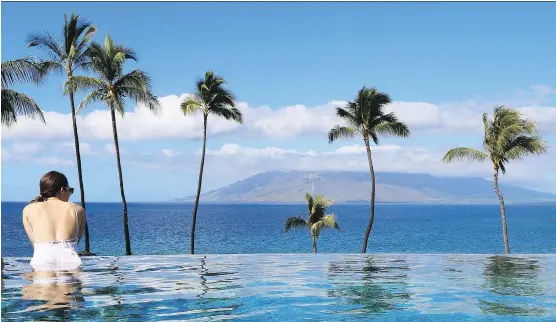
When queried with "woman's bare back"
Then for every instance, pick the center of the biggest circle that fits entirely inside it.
(53, 220)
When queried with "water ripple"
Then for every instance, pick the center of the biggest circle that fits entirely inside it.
(259, 287)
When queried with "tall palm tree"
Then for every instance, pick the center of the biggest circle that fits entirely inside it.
(210, 97)
(111, 87)
(317, 218)
(15, 103)
(507, 137)
(69, 55)
(365, 116)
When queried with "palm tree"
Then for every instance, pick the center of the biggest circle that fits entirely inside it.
(70, 55)
(508, 137)
(15, 103)
(317, 218)
(112, 87)
(209, 98)
(365, 116)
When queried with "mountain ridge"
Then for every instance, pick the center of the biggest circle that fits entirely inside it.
(355, 187)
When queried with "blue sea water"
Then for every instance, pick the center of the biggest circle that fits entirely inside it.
(293, 287)
(164, 228)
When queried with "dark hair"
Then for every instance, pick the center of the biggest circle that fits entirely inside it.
(50, 184)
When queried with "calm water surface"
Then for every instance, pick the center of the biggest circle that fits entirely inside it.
(265, 287)
(160, 229)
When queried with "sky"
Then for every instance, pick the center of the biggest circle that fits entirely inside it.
(290, 65)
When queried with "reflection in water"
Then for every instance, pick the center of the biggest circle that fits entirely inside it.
(56, 291)
(382, 287)
(511, 277)
(260, 287)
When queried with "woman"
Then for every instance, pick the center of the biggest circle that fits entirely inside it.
(54, 225)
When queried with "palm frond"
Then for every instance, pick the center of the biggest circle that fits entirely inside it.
(523, 146)
(464, 154)
(317, 208)
(80, 83)
(220, 96)
(374, 136)
(48, 45)
(229, 113)
(191, 105)
(393, 129)
(310, 201)
(377, 100)
(24, 70)
(15, 104)
(127, 52)
(85, 40)
(347, 114)
(137, 86)
(328, 221)
(94, 96)
(341, 132)
(295, 223)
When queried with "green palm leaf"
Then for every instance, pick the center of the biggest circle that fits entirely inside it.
(464, 154)
(15, 104)
(328, 221)
(295, 223)
(341, 132)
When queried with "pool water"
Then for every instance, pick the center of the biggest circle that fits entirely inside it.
(266, 287)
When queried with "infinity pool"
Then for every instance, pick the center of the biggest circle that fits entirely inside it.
(329, 287)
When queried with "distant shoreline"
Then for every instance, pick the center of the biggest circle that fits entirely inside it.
(224, 203)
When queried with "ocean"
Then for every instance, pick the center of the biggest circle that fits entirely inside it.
(164, 229)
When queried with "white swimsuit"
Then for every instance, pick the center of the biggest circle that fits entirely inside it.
(57, 254)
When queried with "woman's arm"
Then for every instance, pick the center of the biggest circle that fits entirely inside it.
(27, 225)
(81, 213)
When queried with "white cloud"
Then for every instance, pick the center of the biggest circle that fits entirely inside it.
(170, 153)
(26, 148)
(84, 148)
(110, 148)
(54, 161)
(282, 123)
(541, 90)
(5, 155)
(242, 161)
(235, 149)
(545, 117)
(358, 149)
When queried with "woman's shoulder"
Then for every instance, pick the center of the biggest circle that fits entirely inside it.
(78, 208)
(31, 206)
(27, 208)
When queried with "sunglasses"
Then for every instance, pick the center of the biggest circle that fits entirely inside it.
(69, 189)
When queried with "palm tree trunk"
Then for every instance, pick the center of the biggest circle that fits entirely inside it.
(87, 251)
(372, 214)
(116, 145)
(502, 211)
(199, 183)
(314, 244)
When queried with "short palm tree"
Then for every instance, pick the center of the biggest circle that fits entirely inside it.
(365, 116)
(69, 55)
(317, 218)
(15, 103)
(507, 137)
(112, 86)
(209, 98)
